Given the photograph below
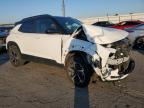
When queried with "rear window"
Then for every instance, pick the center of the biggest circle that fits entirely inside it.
(28, 27)
(129, 23)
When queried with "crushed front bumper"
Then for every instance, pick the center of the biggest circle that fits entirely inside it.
(109, 74)
(117, 74)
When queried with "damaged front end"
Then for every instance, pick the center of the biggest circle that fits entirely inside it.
(119, 62)
(107, 49)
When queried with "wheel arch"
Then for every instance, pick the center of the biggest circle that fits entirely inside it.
(12, 43)
(138, 38)
(82, 54)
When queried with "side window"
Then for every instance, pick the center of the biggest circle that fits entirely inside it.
(28, 27)
(127, 24)
(46, 25)
(132, 23)
(122, 23)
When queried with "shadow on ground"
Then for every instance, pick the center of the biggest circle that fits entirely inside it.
(81, 98)
(139, 50)
(3, 57)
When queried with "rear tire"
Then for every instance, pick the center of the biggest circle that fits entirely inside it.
(15, 56)
(78, 71)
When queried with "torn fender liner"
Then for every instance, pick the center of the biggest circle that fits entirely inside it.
(102, 35)
(102, 52)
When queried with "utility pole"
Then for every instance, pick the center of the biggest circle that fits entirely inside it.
(118, 16)
(63, 8)
(131, 15)
(107, 17)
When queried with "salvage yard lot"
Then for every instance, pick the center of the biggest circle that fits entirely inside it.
(47, 86)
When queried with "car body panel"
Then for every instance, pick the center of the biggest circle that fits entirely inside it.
(41, 45)
(102, 35)
(135, 32)
(87, 47)
(123, 25)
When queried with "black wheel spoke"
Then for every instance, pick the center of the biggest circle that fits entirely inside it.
(76, 71)
(15, 56)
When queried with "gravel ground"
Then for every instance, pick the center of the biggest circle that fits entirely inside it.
(38, 85)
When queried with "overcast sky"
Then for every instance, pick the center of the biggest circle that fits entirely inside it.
(14, 10)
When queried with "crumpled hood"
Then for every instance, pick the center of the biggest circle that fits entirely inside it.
(103, 35)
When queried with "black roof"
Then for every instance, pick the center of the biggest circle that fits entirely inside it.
(33, 18)
(37, 17)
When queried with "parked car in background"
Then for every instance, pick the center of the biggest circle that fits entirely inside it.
(127, 24)
(2, 39)
(103, 23)
(83, 49)
(4, 31)
(136, 36)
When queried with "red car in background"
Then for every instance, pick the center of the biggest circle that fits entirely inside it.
(127, 24)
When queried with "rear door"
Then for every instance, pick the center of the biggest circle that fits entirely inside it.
(25, 37)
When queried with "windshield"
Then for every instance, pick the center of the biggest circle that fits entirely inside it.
(69, 24)
(108, 22)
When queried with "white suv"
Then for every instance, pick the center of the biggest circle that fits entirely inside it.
(83, 49)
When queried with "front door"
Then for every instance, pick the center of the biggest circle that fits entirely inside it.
(48, 39)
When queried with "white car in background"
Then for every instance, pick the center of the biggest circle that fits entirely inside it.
(136, 36)
(83, 49)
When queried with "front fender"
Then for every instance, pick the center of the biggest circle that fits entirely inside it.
(95, 50)
(77, 45)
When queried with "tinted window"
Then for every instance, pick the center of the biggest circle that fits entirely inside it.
(69, 24)
(132, 23)
(46, 25)
(28, 27)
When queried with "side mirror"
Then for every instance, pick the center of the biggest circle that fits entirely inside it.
(51, 31)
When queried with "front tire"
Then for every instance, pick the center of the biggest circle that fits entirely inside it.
(15, 56)
(78, 71)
